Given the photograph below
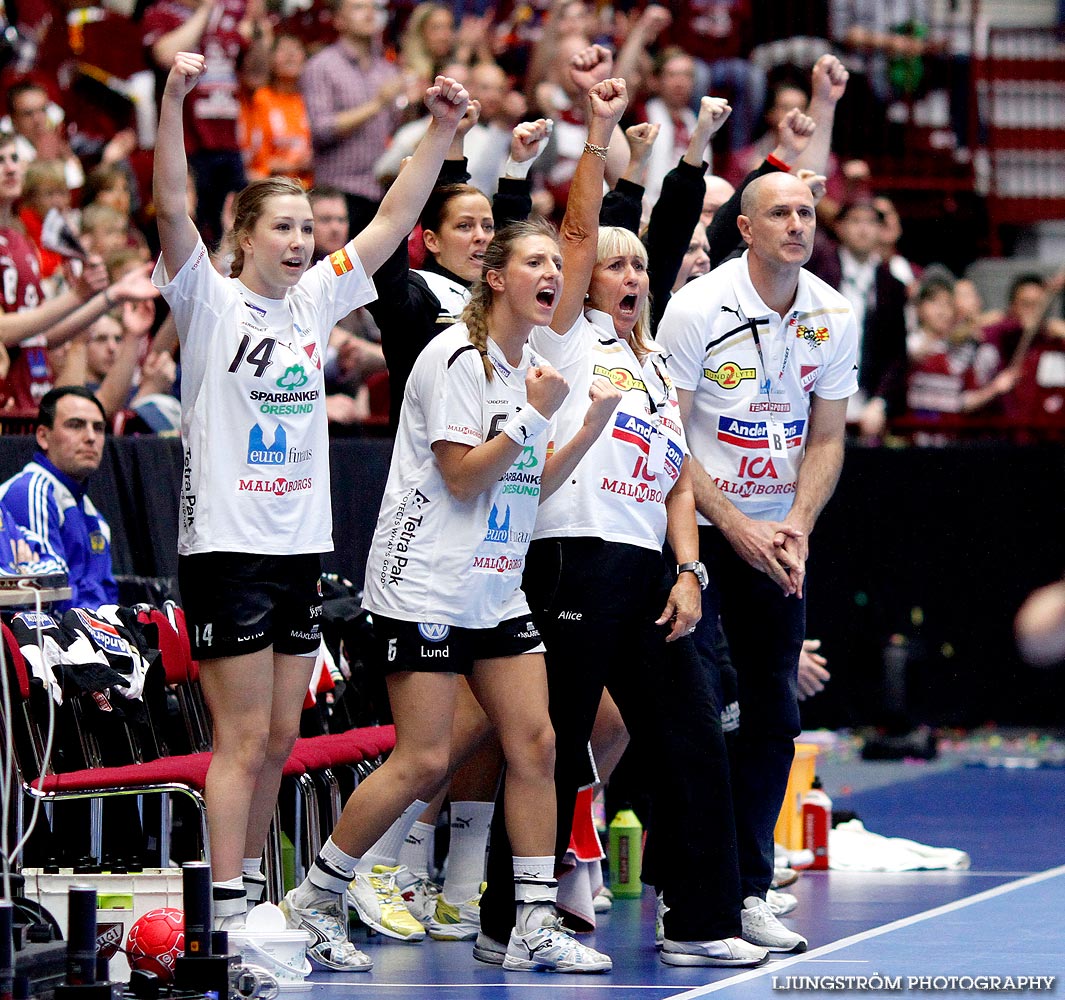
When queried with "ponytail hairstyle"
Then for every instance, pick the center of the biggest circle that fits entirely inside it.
(248, 209)
(615, 241)
(496, 256)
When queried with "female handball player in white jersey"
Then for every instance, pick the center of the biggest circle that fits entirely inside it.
(255, 504)
(443, 579)
(611, 612)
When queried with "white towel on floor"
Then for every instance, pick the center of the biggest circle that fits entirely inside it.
(851, 847)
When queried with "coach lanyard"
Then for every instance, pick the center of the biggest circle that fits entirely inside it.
(656, 447)
(766, 385)
(776, 436)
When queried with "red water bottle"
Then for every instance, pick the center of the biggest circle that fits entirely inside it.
(816, 822)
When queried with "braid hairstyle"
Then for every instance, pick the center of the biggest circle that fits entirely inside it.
(496, 256)
(247, 210)
(615, 241)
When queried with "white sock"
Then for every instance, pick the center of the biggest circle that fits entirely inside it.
(332, 869)
(470, 823)
(386, 850)
(417, 853)
(254, 880)
(535, 891)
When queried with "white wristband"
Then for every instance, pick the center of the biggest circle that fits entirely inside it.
(526, 425)
(517, 171)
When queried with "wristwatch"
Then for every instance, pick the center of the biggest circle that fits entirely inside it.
(698, 569)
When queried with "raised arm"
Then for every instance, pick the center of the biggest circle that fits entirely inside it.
(828, 84)
(722, 234)
(512, 201)
(185, 36)
(643, 33)
(579, 232)
(400, 208)
(177, 231)
(673, 218)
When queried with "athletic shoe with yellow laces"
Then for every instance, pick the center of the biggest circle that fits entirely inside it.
(456, 921)
(377, 902)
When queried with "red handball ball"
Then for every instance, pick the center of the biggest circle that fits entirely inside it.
(155, 942)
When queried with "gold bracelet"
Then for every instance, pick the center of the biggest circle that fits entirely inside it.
(600, 151)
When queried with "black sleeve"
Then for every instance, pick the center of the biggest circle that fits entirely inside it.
(453, 172)
(623, 206)
(512, 201)
(723, 235)
(405, 311)
(669, 231)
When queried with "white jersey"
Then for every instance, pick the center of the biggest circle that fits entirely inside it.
(434, 558)
(253, 424)
(711, 334)
(612, 494)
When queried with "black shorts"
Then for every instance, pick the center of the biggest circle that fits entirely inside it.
(238, 603)
(425, 648)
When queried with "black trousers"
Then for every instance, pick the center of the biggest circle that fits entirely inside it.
(764, 629)
(595, 603)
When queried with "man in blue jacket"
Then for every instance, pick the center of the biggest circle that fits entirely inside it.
(48, 496)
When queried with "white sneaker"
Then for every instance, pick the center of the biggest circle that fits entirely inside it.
(781, 903)
(660, 915)
(489, 950)
(784, 876)
(327, 919)
(230, 922)
(553, 949)
(603, 900)
(456, 922)
(420, 898)
(377, 902)
(761, 927)
(730, 951)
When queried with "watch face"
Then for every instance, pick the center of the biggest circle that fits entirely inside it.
(699, 570)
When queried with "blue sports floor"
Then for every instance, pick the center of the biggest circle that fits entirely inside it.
(1001, 918)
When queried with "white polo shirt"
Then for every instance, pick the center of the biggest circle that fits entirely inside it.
(612, 494)
(711, 334)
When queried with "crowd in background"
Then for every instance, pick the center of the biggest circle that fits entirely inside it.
(329, 94)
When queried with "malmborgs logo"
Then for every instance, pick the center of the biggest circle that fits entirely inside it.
(278, 487)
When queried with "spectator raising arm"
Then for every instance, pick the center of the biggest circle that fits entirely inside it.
(828, 84)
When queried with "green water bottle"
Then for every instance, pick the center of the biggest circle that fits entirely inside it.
(626, 845)
(288, 862)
